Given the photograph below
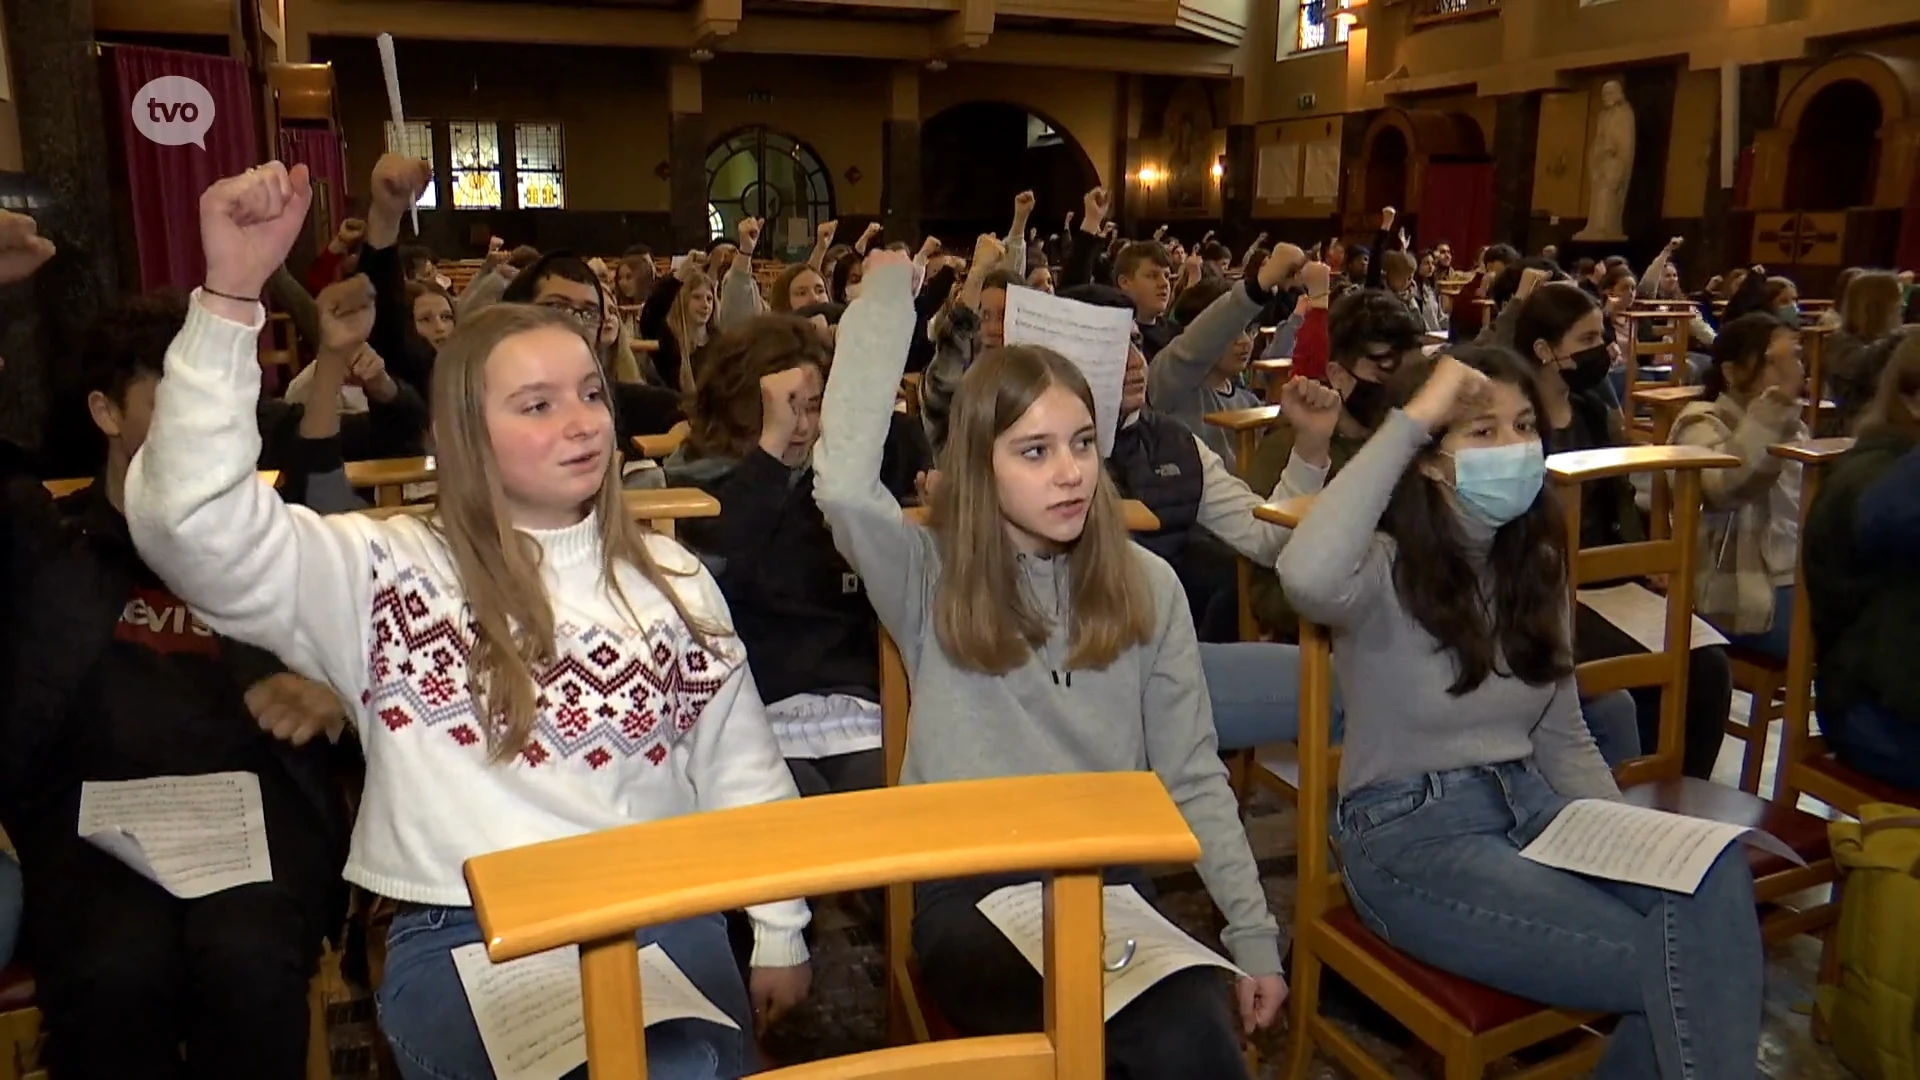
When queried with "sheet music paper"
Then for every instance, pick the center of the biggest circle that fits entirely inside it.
(391, 69)
(1159, 947)
(1619, 842)
(530, 1014)
(1641, 614)
(191, 835)
(1094, 338)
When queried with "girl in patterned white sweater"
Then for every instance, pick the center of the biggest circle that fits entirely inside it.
(528, 665)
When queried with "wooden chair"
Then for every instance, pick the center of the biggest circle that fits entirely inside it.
(19, 1026)
(60, 489)
(657, 507)
(1247, 425)
(597, 890)
(661, 447)
(1655, 780)
(910, 392)
(1272, 374)
(1806, 766)
(1469, 1025)
(389, 477)
(1813, 354)
(279, 344)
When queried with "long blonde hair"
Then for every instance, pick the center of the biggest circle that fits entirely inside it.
(1871, 307)
(499, 566)
(983, 617)
(685, 331)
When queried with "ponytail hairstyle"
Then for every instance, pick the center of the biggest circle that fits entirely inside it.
(1109, 598)
(511, 614)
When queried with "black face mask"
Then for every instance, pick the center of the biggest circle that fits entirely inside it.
(1367, 402)
(1590, 367)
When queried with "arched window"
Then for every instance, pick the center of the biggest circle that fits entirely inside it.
(758, 172)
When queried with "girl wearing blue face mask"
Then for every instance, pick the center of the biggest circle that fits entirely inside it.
(1436, 554)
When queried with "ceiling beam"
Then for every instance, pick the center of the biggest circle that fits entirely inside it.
(713, 20)
(966, 29)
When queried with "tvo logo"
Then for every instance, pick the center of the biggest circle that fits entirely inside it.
(173, 110)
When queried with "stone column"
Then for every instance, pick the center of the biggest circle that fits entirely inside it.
(687, 157)
(56, 83)
(900, 159)
(1720, 245)
(1516, 136)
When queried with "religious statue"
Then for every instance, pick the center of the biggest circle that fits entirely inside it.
(1609, 166)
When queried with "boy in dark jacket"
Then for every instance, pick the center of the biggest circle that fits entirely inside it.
(107, 676)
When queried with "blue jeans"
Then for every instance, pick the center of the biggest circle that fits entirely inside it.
(426, 1019)
(1614, 722)
(1433, 866)
(1773, 641)
(1879, 743)
(1255, 687)
(11, 893)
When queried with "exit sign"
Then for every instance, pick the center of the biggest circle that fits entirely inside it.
(760, 97)
(1305, 101)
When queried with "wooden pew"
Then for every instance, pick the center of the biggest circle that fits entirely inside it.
(658, 507)
(60, 489)
(661, 447)
(389, 477)
(595, 891)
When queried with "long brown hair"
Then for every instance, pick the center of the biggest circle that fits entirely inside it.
(781, 299)
(982, 615)
(499, 566)
(725, 415)
(684, 330)
(1524, 626)
(1871, 307)
(1899, 383)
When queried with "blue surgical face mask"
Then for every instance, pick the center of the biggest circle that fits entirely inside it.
(1789, 314)
(1496, 484)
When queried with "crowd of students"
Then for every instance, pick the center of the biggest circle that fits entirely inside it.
(526, 663)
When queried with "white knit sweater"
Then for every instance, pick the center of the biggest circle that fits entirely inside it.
(636, 724)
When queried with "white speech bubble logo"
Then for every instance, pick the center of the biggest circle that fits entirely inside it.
(173, 110)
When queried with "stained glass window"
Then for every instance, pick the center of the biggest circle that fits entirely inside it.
(539, 158)
(476, 164)
(759, 172)
(416, 142)
(1319, 24)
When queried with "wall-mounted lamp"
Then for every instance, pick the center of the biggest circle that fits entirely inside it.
(1148, 175)
(1219, 170)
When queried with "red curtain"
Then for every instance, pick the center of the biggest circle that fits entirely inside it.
(325, 156)
(167, 169)
(1457, 205)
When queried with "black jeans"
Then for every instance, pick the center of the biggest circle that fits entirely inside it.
(127, 972)
(1183, 1028)
(1709, 691)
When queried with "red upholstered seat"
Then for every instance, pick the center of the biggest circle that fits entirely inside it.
(16, 988)
(1478, 1008)
(1829, 766)
(1805, 833)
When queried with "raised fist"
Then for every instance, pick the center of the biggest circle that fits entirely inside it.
(346, 315)
(23, 251)
(248, 224)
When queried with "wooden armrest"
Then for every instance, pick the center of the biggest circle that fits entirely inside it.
(60, 489)
(1253, 419)
(385, 472)
(1275, 365)
(1133, 512)
(1286, 512)
(1811, 451)
(661, 447)
(610, 883)
(1580, 466)
(1669, 395)
(644, 346)
(643, 504)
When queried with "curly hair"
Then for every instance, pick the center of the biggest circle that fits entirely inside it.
(723, 419)
(1370, 315)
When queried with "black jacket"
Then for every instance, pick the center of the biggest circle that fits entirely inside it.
(105, 675)
(799, 608)
(1156, 461)
(1861, 580)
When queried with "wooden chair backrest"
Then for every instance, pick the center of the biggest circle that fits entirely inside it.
(60, 489)
(1798, 742)
(658, 507)
(1813, 357)
(1674, 556)
(661, 447)
(595, 891)
(1247, 426)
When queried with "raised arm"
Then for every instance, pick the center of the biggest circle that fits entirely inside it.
(1226, 502)
(1770, 418)
(1335, 569)
(890, 554)
(1188, 360)
(254, 568)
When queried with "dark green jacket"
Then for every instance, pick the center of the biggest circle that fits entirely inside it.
(1864, 580)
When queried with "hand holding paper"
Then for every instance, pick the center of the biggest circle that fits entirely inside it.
(191, 835)
(1094, 338)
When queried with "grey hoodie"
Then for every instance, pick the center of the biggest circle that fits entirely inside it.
(1147, 710)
